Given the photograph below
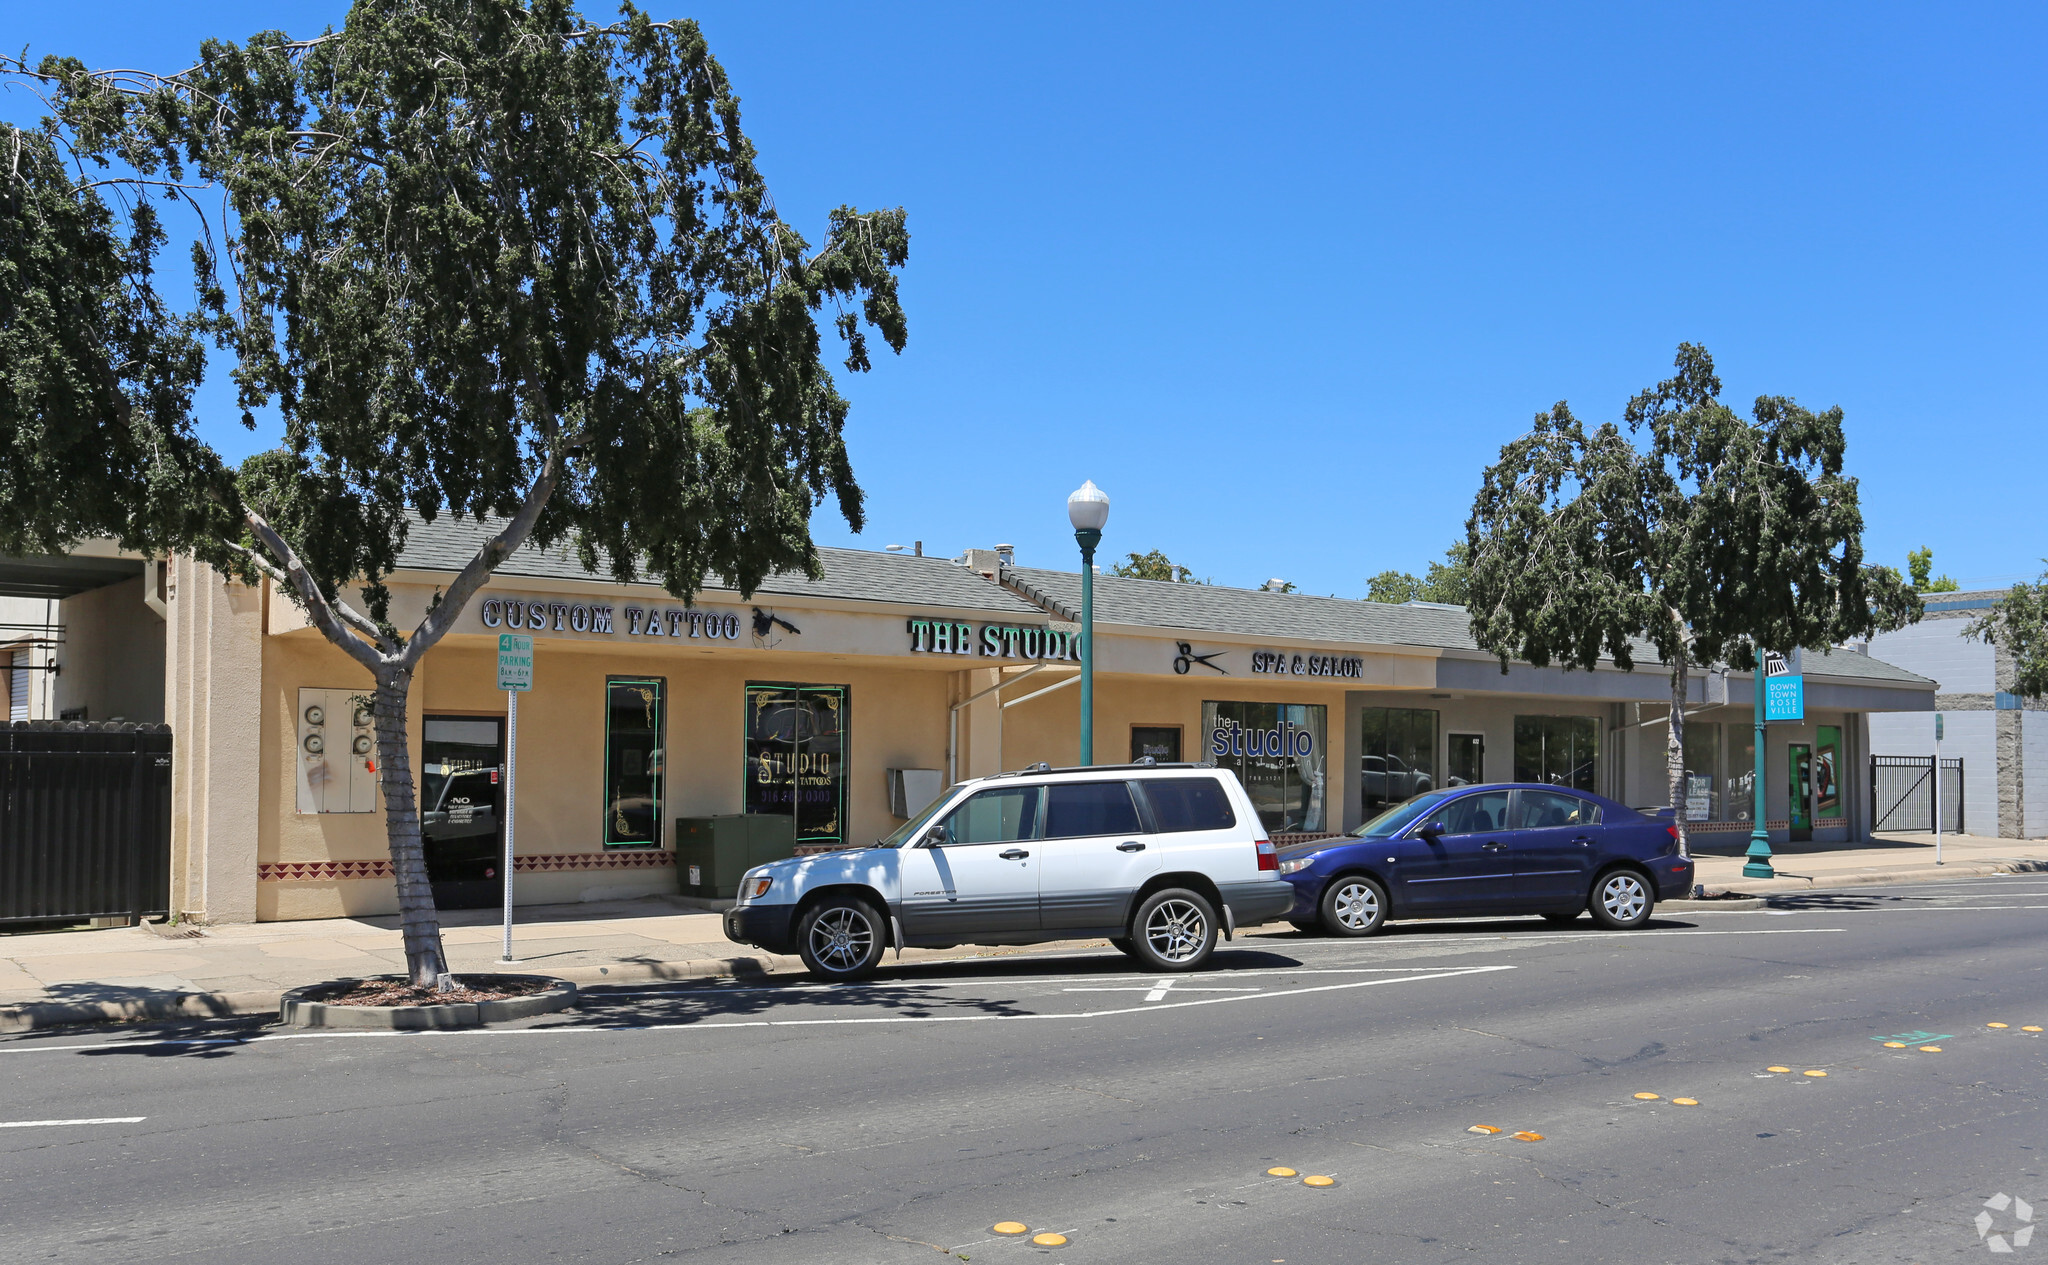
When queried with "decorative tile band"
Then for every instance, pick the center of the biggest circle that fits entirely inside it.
(546, 863)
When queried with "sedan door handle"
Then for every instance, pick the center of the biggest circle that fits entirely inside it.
(1493, 845)
(1015, 854)
(1583, 841)
(1130, 845)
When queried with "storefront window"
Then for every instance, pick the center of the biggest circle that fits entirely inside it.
(796, 757)
(1397, 756)
(1702, 771)
(1560, 750)
(635, 715)
(1276, 750)
(1827, 768)
(1741, 783)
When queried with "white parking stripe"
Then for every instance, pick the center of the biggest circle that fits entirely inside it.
(49, 1124)
(583, 1029)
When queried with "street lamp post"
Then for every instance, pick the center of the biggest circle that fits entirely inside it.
(1759, 863)
(1088, 511)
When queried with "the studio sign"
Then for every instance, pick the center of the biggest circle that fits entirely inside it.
(1280, 663)
(1286, 740)
(992, 641)
(596, 617)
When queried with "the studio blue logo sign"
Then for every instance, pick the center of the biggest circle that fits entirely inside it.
(1285, 740)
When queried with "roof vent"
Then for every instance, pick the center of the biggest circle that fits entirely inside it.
(1007, 555)
(1274, 585)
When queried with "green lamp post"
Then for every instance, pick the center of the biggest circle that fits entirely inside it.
(1088, 511)
(1759, 863)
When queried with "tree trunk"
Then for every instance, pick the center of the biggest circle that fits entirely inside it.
(1675, 751)
(426, 961)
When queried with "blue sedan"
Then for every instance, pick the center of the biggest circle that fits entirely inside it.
(1490, 849)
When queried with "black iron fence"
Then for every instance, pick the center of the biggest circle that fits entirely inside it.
(85, 820)
(1902, 793)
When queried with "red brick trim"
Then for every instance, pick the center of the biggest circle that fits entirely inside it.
(546, 863)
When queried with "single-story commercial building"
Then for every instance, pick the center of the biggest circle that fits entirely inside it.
(839, 705)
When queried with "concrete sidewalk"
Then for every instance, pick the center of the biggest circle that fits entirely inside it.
(1900, 858)
(61, 977)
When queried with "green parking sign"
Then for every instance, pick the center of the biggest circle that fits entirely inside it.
(515, 661)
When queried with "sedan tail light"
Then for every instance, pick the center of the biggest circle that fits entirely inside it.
(1268, 858)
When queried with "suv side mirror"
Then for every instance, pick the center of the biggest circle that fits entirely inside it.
(939, 836)
(1430, 830)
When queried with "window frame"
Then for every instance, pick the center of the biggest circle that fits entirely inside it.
(1037, 819)
(660, 684)
(1139, 810)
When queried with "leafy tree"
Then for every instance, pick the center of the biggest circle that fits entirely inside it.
(1919, 563)
(488, 261)
(1154, 565)
(1448, 582)
(2018, 624)
(1715, 538)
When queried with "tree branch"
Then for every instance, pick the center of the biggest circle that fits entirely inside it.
(317, 606)
(498, 548)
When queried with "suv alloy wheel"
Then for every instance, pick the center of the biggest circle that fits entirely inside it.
(840, 938)
(1173, 930)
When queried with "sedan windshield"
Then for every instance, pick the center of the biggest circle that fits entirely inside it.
(1394, 819)
(909, 829)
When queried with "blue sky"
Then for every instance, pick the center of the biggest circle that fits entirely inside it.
(1283, 280)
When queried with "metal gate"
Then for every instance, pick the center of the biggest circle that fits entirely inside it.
(1902, 793)
(85, 820)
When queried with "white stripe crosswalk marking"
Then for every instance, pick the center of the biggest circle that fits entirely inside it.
(47, 1124)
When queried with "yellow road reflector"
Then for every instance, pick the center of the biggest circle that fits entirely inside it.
(1997, 1025)
(1526, 1136)
(1648, 1097)
(1049, 1240)
(1686, 1102)
(1482, 1128)
(1281, 1172)
(1813, 1073)
(1010, 1227)
(2029, 1028)
(1319, 1181)
(1930, 1049)
(1777, 1069)
(1895, 1045)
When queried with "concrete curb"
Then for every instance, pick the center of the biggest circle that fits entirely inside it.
(1882, 878)
(297, 1010)
(34, 1015)
(1708, 906)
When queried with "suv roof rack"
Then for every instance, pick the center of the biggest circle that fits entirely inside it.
(1147, 763)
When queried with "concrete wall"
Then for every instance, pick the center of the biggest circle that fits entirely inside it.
(1972, 735)
(1935, 647)
(113, 655)
(213, 693)
(2034, 744)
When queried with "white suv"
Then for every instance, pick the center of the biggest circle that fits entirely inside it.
(1157, 858)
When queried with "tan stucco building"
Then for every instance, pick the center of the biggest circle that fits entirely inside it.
(836, 703)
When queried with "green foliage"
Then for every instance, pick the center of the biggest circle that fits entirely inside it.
(1716, 536)
(481, 258)
(1154, 565)
(2018, 624)
(1448, 582)
(1920, 562)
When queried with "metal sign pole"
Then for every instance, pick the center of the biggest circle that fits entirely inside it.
(515, 676)
(1937, 788)
(511, 816)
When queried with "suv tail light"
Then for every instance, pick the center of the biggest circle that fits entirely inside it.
(1268, 858)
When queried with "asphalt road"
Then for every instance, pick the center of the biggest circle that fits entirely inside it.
(1138, 1116)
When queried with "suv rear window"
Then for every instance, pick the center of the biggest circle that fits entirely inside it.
(1075, 810)
(1189, 803)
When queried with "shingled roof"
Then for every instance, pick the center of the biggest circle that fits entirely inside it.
(447, 544)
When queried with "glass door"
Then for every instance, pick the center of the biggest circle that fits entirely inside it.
(1799, 815)
(462, 773)
(1467, 764)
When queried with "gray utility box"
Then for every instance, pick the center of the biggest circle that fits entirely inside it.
(712, 852)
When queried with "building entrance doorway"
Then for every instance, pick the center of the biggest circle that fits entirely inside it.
(462, 798)
(1467, 763)
(1799, 814)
